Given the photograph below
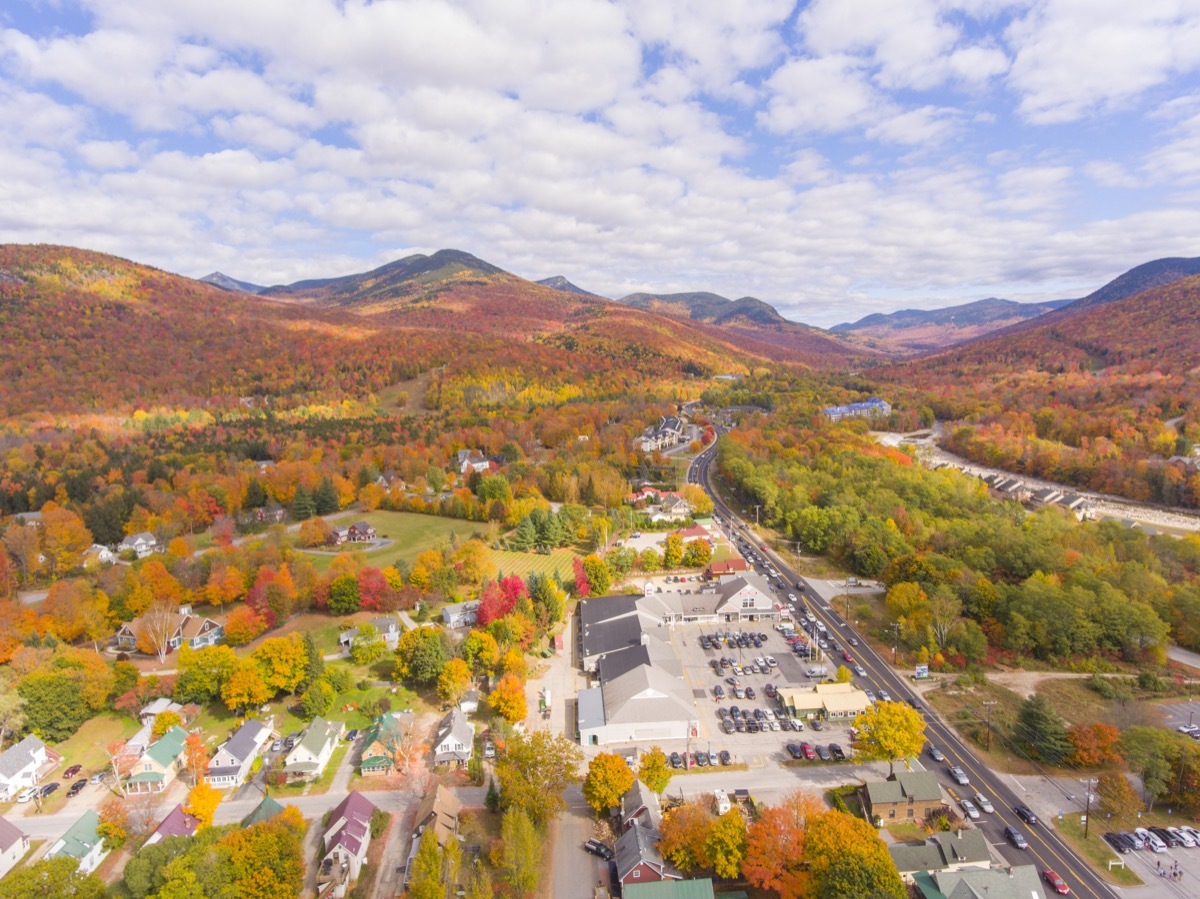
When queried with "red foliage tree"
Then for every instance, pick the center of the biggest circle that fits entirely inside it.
(582, 587)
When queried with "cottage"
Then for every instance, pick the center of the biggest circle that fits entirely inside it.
(382, 741)
(155, 708)
(194, 631)
(469, 704)
(345, 842)
(178, 823)
(21, 766)
(234, 758)
(82, 841)
(905, 795)
(638, 859)
(439, 809)
(142, 544)
(361, 532)
(159, 764)
(308, 758)
(460, 614)
(98, 555)
(388, 627)
(14, 843)
(455, 739)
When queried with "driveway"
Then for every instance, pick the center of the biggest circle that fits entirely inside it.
(576, 873)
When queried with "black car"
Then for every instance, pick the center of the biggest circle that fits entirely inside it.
(740, 726)
(676, 760)
(1114, 840)
(1166, 836)
(48, 789)
(719, 691)
(822, 753)
(750, 694)
(836, 751)
(351, 736)
(795, 751)
(702, 759)
(1015, 837)
(769, 689)
(1025, 813)
(727, 726)
(753, 726)
(725, 757)
(77, 787)
(595, 847)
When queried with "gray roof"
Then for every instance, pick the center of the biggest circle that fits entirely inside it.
(942, 850)
(10, 835)
(640, 797)
(609, 623)
(455, 723)
(1018, 882)
(921, 786)
(16, 758)
(640, 844)
(646, 695)
(319, 734)
(245, 741)
(590, 706)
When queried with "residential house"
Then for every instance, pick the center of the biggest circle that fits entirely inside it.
(1017, 882)
(194, 631)
(338, 536)
(264, 811)
(231, 763)
(381, 741)
(159, 764)
(361, 532)
(638, 859)
(673, 889)
(82, 841)
(439, 809)
(455, 739)
(460, 614)
(345, 842)
(728, 568)
(640, 805)
(388, 627)
(469, 704)
(29, 519)
(98, 555)
(308, 758)
(14, 843)
(673, 507)
(904, 795)
(21, 766)
(472, 460)
(155, 708)
(178, 823)
(142, 544)
(943, 851)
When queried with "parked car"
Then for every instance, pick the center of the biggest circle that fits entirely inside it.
(98, 777)
(77, 787)
(351, 735)
(1136, 841)
(1114, 840)
(1152, 841)
(595, 847)
(26, 794)
(48, 789)
(1183, 836)
(839, 754)
(983, 802)
(816, 724)
(701, 759)
(959, 775)
(676, 760)
(72, 771)
(808, 752)
(719, 692)
(1166, 836)
(1015, 837)
(727, 726)
(1055, 882)
(750, 694)
(725, 757)
(822, 753)
(1025, 813)
(489, 750)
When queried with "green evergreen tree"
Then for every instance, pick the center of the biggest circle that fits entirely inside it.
(314, 665)
(325, 499)
(303, 507)
(1041, 732)
(256, 496)
(525, 537)
(493, 796)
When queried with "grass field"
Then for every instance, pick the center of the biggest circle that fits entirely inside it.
(559, 561)
(411, 534)
(85, 746)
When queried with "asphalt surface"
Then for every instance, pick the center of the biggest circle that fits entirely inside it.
(1046, 848)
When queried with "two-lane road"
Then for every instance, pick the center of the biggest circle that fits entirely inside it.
(1046, 848)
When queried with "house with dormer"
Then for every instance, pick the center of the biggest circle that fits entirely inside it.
(141, 544)
(82, 842)
(194, 631)
(21, 766)
(233, 760)
(311, 754)
(14, 843)
(159, 765)
(454, 742)
(345, 842)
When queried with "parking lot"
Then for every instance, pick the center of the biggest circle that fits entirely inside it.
(755, 749)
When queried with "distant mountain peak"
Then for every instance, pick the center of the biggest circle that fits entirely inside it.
(558, 282)
(707, 307)
(1155, 273)
(223, 281)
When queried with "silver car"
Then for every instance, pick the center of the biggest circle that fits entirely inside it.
(969, 809)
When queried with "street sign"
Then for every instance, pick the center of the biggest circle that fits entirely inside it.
(922, 672)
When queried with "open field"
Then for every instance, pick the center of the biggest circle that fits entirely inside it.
(411, 534)
(558, 560)
(86, 746)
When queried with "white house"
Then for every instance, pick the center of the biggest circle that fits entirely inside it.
(20, 767)
(460, 614)
(388, 627)
(83, 842)
(455, 740)
(233, 759)
(472, 460)
(142, 544)
(98, 555)
(14, 843)
(346, 841)
(308, 758)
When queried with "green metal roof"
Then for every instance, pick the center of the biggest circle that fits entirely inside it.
(670, 889)
(167, 748)
(81, 836)
(264, 811)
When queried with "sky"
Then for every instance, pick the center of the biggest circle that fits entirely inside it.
(834, 158)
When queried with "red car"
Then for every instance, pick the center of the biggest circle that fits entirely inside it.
(849, 658)
(1056, 883)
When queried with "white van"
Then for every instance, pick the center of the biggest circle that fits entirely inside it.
(722, 800)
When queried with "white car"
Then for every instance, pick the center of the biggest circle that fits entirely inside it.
(1184, 837)
(489, 750)
(1152, 840)
(959, 775)
(984, 803)
(760, 662)
(884, 695)
(791, 597)
(969, 809)
(771, 661)
(26, 794)
(810, 616)
(821, 626)
(860, 670)
(870, 696)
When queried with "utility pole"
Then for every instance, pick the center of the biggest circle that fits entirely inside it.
(756, 510)
(988, 706)
(1087, 814)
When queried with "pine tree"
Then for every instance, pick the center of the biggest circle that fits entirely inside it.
(325, 500)
(525, 537)
(303, 507)
(256, 497)
(1041, 732)
(314, 665)
(493, 796)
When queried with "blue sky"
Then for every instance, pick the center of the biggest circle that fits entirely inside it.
(834, 158)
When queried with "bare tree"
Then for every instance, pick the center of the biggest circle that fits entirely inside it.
(156, 627)
(121, 759)
(143, 811)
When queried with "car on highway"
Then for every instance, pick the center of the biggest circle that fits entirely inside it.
(959, 776)
(1055, 882)
(860, 670)
(870, 696)
(884, 695)
(72, 771)
(935, 753)
(983, 802)
(1025, 813)
(1015, 837)
(969, 809)
(846, 657)
(595, 847)
(853, 641)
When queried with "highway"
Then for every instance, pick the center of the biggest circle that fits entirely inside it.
(1046, 848)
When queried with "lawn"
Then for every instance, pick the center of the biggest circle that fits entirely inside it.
(411, 534)
(1095, 850)
(86, 746)
(316, 787)
(907, 832)
(558, 560)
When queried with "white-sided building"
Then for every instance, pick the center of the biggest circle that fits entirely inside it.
(231, 763)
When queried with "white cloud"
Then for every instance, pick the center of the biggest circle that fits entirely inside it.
(829, 94)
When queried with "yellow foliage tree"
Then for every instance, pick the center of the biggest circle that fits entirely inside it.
(890, 732)
(202, 802)
(508, 699)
